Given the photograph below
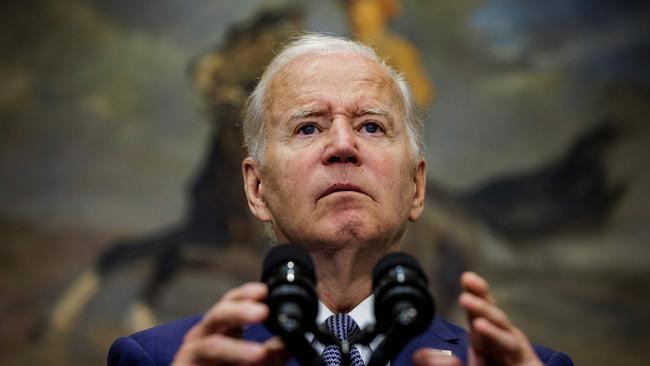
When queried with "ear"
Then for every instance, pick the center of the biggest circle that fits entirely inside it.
(420, 183)
(253, 187)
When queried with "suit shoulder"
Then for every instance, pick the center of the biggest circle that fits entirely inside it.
(447, 330)
(158, 344)
(167, 331)
(126, 351)
(551, 357)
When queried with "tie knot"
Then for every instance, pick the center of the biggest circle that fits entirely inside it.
(342, 325)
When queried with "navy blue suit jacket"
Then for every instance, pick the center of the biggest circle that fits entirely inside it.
(157, 346)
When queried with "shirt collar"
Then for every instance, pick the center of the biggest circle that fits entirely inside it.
(362, 314)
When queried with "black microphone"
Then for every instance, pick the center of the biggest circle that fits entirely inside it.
(404, 307)
(288, 271)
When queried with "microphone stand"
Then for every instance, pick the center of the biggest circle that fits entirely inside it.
(396, 336)
(303, 351)
(293, 335)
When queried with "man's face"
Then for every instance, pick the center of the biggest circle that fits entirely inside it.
(338, 169)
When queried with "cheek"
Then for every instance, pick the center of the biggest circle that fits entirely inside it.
(289, 176)
(399, 179)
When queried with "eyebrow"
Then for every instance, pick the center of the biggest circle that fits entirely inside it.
(375, 111)
(306, 114)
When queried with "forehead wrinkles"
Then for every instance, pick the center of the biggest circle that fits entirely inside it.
(298, 72)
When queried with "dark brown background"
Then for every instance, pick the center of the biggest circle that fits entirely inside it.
(102, 132)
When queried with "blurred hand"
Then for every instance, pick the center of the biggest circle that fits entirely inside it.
(215, 340)
(494, 340)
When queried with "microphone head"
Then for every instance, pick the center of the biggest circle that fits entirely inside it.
(287, 253)
(395, 259)
(288, 271)
(403, 303)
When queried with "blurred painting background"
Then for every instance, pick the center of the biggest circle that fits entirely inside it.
(120, 195)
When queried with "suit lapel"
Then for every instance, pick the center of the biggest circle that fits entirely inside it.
(440, 335)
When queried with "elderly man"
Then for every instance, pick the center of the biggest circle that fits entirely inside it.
(335, 166)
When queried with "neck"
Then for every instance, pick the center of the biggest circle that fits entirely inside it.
(345, 276)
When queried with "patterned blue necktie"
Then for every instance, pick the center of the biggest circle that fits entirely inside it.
(344, 327)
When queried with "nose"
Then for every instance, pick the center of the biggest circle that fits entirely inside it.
(341, 144)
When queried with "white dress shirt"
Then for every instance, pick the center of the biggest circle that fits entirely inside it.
(363, 314)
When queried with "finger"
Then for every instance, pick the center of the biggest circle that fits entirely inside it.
(220, 349)
(228, 318)
(505, 347)
(252, 292)
(276, 352)
(479, 307)
(249, 291)
(229, 315)
(433, 357)
(477, 285)
(507, 341)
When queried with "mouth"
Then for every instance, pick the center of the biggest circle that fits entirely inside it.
(341, 187)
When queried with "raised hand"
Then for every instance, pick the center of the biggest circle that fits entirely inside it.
(494, 340)
(215, 340)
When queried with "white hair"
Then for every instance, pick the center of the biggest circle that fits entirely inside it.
(253, 114)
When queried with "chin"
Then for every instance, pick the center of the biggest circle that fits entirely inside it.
(348, 229)
(352, 234)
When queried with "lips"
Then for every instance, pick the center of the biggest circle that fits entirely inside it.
(341, 187)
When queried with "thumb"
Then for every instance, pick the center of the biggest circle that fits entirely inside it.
(433, 357)
(276, 352)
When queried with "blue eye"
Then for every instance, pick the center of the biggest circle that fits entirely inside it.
(371, 127)
(307, 130)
